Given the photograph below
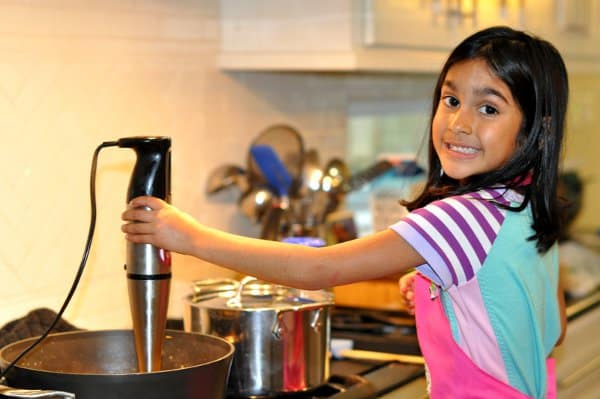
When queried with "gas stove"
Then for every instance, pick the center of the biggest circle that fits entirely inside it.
(375, 331)
(362, 380)
(369, 330)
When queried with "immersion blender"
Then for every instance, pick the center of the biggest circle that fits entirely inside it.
(148, 267)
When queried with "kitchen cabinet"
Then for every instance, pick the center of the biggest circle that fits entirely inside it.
(391, 35)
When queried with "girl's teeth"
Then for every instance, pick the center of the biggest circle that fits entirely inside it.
(464, 150)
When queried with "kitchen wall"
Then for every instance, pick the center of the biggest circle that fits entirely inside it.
(74, 74)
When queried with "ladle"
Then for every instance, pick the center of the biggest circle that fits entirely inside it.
(333, 186)
(226, 176)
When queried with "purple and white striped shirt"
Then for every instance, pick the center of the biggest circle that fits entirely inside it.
(455, 234)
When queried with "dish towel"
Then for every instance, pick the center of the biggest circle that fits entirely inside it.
(34, 324)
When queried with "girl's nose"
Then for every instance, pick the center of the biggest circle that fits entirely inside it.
(461, 122)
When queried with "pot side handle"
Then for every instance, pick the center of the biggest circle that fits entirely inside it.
(8, 392)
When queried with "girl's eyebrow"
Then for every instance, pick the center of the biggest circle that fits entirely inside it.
(480, 91)
(484, 91)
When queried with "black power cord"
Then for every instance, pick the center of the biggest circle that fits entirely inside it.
(86, 253)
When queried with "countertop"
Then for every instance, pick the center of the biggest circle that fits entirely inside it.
(577, 307)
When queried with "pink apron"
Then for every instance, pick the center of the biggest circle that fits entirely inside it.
(452, 374)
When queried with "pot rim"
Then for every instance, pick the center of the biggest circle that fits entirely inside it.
(229, 294)
(26, 341)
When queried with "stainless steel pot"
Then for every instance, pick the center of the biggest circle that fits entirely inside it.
(103, 364)
(281, 335)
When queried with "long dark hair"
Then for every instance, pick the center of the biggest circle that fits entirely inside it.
(536, 75)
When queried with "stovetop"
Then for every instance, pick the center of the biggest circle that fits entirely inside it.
(360, 380)
(376, 330)
(369, 330)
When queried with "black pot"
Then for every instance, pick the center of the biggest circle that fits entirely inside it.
(101, 364)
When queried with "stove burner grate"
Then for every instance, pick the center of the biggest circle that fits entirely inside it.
(372, 383)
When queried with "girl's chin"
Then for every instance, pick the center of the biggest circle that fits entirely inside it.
(460, 176)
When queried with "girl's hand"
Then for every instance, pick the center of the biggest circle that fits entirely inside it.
(407, 292)
(153, 221)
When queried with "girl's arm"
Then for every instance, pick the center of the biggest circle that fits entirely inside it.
(151, 220)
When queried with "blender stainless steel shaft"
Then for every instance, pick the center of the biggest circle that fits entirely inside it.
(149, 268)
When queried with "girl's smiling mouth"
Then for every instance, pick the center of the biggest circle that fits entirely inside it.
(462, 149)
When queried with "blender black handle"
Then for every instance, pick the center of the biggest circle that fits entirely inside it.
(152, 170)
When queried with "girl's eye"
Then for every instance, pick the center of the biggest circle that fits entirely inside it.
(488, 110)
(450, 101)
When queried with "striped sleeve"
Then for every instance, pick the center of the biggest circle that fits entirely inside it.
(454, 235)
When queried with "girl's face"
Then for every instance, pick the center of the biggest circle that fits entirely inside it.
(476, 122)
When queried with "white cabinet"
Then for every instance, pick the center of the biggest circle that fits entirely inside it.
(391, 35)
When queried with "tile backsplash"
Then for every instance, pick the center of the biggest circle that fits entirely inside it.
(74, 74)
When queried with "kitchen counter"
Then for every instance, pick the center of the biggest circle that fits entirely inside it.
(577, 307)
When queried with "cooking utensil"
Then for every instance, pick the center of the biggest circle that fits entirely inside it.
(272, 223)
(273, 169)
(335, 176)
(337, 182)
(359, 354)
(101, 364)
(327, 199)
(287, 143)
(359, 179)
(281, 334)
(148, 267)
(255, 202)
(226, 176)
(311, 173)
(311, 184)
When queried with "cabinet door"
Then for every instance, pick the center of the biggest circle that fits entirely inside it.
(573, 27)
(290, 26)
(436, 25)
(432, 25)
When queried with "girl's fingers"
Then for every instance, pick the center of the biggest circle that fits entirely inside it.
(137, 228)
(150, 202)
(139, 214)
(407, 294)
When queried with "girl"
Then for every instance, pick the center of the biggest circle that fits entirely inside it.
(482, 235)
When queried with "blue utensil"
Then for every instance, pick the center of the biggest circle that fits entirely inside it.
(272, 168)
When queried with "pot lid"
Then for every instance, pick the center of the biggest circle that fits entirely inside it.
(253, 294)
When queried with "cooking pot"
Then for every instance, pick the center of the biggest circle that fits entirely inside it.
(101, 364)
(281, 335)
